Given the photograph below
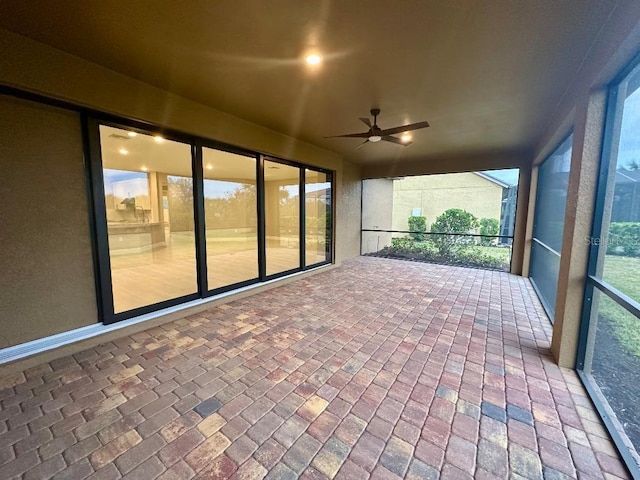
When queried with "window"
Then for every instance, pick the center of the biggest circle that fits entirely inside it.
(548, 224)
(178, 218)
(609, 350)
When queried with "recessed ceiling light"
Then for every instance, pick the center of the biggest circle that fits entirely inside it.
(132, 134)
(143, 168)
(209, 167)
(406, 137)
(158, 139)
(313, 58)
(123, 151)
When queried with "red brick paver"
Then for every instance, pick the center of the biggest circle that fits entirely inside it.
(377, 369)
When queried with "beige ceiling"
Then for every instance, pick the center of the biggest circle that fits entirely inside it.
(486, 74)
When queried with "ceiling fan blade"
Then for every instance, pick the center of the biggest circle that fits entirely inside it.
(404, 128)
(366, 121)
(366, 141)
(352, 135)
(389, 138)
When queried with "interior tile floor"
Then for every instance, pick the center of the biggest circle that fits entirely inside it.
(378, 369)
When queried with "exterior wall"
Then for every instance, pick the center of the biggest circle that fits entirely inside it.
(46, 284)
(583, 179)
(377, 213)
(349, 191)
(29, 304)
(434, 194)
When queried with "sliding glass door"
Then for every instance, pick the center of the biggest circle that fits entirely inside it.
(282, 217)
(179, 218)
(317, 220)
(148, 196)
(231, 217)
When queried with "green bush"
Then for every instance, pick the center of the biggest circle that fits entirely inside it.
(472, 256)
(488, 226)
(624, 239)
(454, 220)
(417, 227)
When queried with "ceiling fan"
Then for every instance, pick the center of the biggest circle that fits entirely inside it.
(375, 133)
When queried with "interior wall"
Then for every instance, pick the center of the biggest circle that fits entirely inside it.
(47, 285)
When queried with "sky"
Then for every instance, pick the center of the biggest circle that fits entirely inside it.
(629, 138)
(212, 188)
(508, 175)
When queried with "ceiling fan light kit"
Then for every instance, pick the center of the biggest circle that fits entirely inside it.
(376, 134)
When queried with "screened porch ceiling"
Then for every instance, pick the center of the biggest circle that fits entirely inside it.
(488, 76)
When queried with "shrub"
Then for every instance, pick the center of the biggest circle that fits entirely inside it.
(624, 239)
(417, 227)
(488, 226)
(454, 220)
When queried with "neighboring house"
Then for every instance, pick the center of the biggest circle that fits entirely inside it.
(431, 195)
(391, 201)
(626, 199)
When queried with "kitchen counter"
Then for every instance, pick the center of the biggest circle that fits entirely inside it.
(127, 238)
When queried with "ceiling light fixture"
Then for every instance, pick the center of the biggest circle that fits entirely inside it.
(143, 168)
(406, 137)
(123, 151)
(375, 138)
(132, 134)
(313, 58)
(158, 139)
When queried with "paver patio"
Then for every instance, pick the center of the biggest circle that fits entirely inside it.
(377, 369)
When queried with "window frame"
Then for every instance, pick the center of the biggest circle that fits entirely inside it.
(549, 310)
(91, 122)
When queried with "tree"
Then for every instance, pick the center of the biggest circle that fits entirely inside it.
(489, 227)
(457, 221)
(180, 204)
(417, 225)
(633, 165)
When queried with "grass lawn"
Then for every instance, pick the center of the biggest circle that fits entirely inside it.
(500, 253)
(622, 273)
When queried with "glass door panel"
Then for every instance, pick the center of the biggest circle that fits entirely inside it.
(282, 217)
(317, 217)
(230, 210)
(150, 219)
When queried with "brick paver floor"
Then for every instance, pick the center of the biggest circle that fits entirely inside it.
(378, 369)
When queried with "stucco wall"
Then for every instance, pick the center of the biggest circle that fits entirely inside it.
(377, 213)
(349, 192)
(434, 194)
(46, 285)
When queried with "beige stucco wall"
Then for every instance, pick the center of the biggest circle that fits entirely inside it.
(34, 67)
(434, 194)
(46, 285)
(377, 213)
(349, 191)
